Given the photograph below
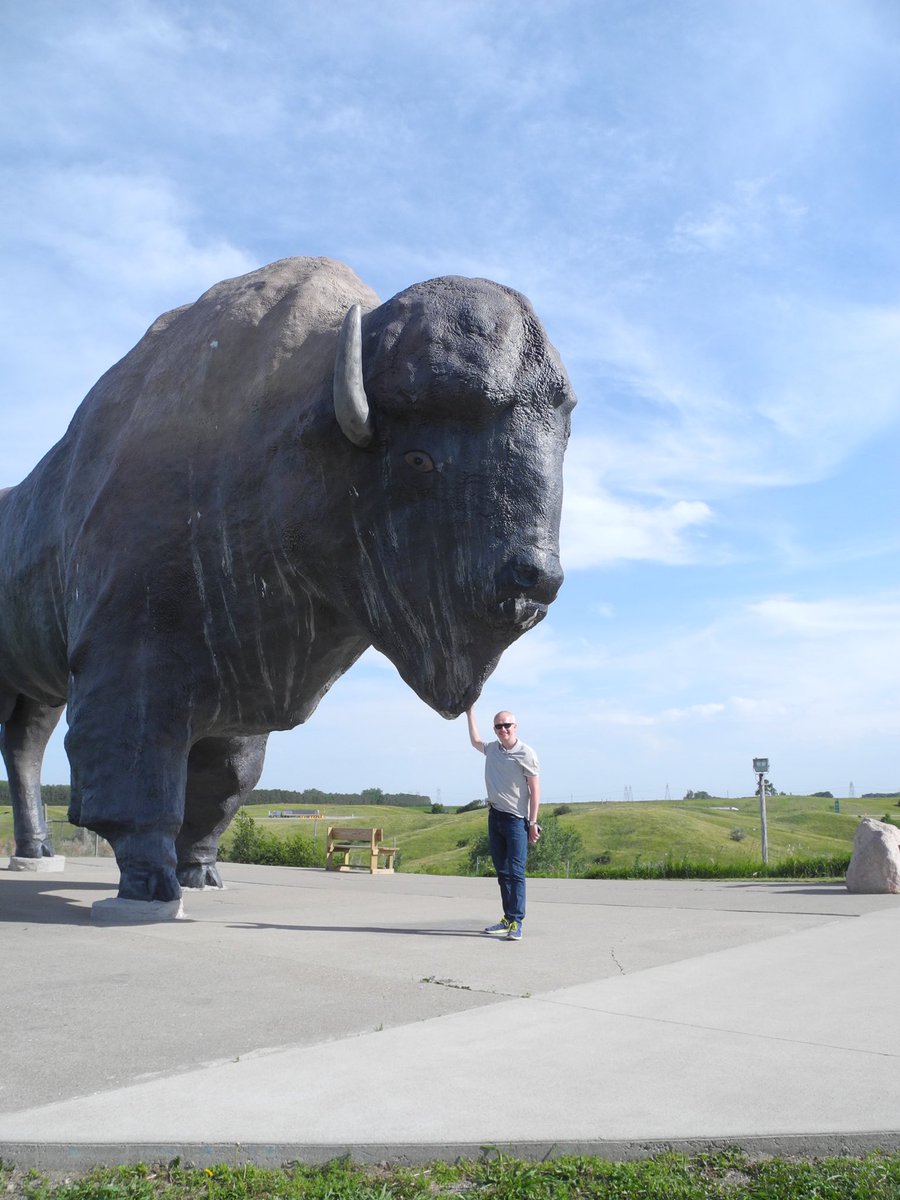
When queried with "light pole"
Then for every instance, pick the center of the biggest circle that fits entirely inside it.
(760, 766)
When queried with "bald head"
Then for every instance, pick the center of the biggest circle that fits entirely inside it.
(505, 728)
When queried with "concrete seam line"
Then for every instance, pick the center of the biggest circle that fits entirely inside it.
(745, 1033)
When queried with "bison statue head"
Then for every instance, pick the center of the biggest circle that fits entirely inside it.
(456, 407)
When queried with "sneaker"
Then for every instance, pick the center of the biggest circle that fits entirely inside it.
(514, 931)
(502, 926)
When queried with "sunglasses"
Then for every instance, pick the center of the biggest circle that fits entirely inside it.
(504, 725)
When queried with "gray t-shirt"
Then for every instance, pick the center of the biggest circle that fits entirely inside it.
(506, 776)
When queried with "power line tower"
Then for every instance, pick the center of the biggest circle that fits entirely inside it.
(851, 792)
(629, 794)
(668, 793)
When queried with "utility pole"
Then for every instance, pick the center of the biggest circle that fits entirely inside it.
(761, 766)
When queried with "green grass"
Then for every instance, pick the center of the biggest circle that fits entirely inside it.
(67, 839)
(645, 833)
(799, 827)
(730, 1175)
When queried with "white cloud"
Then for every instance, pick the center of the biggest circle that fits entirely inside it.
(124, 231)
(545, 654)
(819, 669)
(811, 683)
(835, 379)
(828, 619)
(664, 717)
(750, 222)
(668, 428)
(598, 530)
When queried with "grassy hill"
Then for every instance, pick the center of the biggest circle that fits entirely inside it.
(798, 826)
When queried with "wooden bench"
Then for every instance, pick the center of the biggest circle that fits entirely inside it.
(343, 840)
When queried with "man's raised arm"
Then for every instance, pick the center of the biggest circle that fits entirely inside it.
(474, 735)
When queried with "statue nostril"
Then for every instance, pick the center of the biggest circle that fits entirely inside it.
(527, 577)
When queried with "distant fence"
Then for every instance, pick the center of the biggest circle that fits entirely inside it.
(72, 839)
(305, 814)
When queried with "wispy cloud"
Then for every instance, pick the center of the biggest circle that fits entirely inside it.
(802, 680)
(599, 530)
(124, 232)
(752, 221)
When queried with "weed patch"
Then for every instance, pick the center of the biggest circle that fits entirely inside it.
(730, 1175)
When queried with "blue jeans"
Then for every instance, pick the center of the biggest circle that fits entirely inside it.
(508, 841)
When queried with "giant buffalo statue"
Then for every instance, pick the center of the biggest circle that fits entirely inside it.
(276, 477)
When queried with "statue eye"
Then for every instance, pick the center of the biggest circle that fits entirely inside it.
(418, 460)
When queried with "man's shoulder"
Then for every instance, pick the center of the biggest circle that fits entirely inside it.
(524, 747)
(526, 754)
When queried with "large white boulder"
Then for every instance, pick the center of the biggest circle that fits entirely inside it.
(875, 865)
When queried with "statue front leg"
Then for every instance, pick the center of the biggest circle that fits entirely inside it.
(128, 750)
(25, 734)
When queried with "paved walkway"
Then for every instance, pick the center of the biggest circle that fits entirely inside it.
(302, 1015)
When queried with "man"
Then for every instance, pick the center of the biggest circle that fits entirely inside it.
(511, 774)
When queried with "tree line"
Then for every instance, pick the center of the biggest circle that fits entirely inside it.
(315, 798)
(57, 795)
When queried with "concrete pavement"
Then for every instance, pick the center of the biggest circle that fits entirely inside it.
(302, 1015)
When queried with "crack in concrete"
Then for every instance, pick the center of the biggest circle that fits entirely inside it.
(466, 987)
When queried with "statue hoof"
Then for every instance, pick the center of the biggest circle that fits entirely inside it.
(34, 849)
(198, 876)
(142, 883)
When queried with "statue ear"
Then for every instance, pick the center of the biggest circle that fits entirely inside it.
(351, 406)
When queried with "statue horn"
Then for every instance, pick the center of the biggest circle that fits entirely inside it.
(351, 407)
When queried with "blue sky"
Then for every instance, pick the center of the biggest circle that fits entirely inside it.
(700, 200)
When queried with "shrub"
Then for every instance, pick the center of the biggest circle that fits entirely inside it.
(558, 851)
(562, 809)
(737, 834)
(823, 867)
(479, 853)
(250, 844)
